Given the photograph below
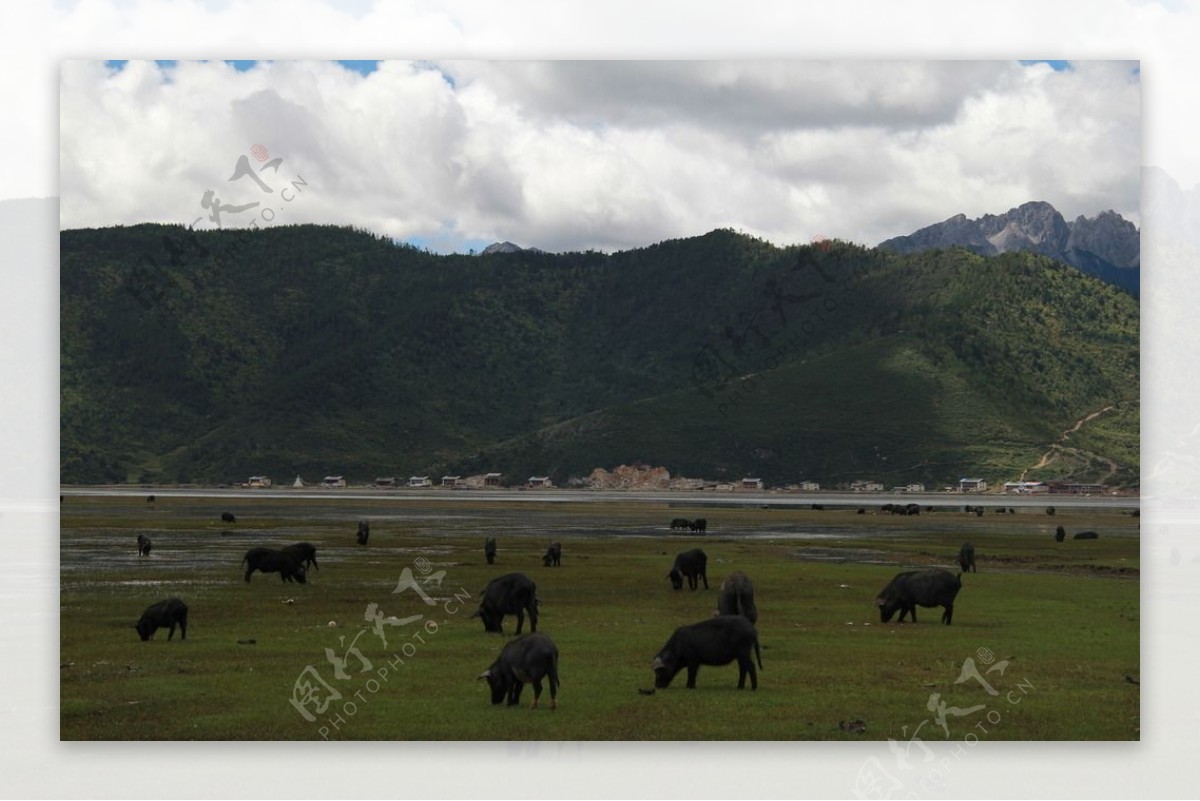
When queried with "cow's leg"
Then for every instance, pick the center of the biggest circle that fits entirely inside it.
(249, 570)
(537, 693)
(553, 674)
(948, 614)
(171, 631)
(692, 668)
(705, 577)
(520, 619)
(514, 693)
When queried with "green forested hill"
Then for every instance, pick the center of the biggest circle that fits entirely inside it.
(312, 350)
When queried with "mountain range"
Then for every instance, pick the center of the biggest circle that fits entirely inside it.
(314, 350)
(1106, 246)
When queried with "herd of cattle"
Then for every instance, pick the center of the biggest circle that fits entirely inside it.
(730, 635)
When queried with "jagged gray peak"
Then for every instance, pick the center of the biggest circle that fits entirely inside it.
(1108, 235)
(502, 247)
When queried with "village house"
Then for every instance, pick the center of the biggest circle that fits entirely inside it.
(385, 481)
(752, 483)
(972, 485)
(866, 486)
(492, 479)
(452, 481)
(333, 481)
(258, 482)
(419, 481)
(809, 486)
(540, 482)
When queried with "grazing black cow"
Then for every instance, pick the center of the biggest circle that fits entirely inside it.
(553, 555)
(143, 545)
(227, 517)
(908, 590)
(966, 558)
(526, 659)
(305, 553)
(510, 594)
(489, 550)
(364, 532)
(912, 509)
(699, 524)
(716, 641)
(979, 511)
(861, 511)
(269, 560)
(818, 507)
(680, 522)
(1060, 534)
(1086, 535)
(737, 597)
(161, 615)
(694, 565)
(149, 499)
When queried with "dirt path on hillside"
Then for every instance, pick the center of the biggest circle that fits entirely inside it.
(1058, 448)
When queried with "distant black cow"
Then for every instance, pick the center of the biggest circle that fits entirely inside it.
(680, 522)
(699, 524)
(268, 560)
(489, 550)
(908, 590)
(966, 558)
(150, 499)
(1060, 534)
(164, 614)
(553, 555)
(818, 507)
(737, 597)
(364, 532)
(305, 553)
(716, 641)
(227, 517)
(694, 565)
(526, 659)
(143, 545)
(1086, 535)
(510, 594)
(912, 509)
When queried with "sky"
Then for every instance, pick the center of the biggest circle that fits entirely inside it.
(575, 155)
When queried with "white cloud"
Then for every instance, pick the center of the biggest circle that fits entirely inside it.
(609, 155)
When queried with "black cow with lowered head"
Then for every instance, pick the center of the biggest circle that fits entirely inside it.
(680, 522)
(510, 594)
(966, 558)
(489, 550)
(529, 658)
(269, 560)
(1086, 535)
(716, 641)
(364, 532)
(143, 545)
(164, 614)
(694, 565)
(553, 555)
(913, 588)
(305, 553)
(227, 517)
(737, 597)
(699, 524)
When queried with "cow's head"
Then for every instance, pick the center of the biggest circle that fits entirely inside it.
(676, 578)
(301, 575)
(887, 608)
(144, 629)
(665, 666)
(498, 681)
(490, 617)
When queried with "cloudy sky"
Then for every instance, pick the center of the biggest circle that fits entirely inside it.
(567, 155)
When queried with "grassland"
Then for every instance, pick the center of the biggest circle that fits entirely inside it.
(1064, 617)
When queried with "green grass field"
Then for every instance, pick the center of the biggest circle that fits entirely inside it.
(1063, 617)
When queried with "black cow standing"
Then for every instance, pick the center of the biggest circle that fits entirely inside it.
(966, 558)
(271, 561)
(692, 564)
(716, 641)
(699, 524)
(1060, 534)
(1086, 535)
(553, 555)
(526, 659)
(510, 594)
(161, 615)
(227, 517)
(913, 588)
(737, 597)
(143, 545)
(489, 550)
(680, 522)
(364, 532)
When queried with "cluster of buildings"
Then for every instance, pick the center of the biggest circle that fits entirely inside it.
(486, 480)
